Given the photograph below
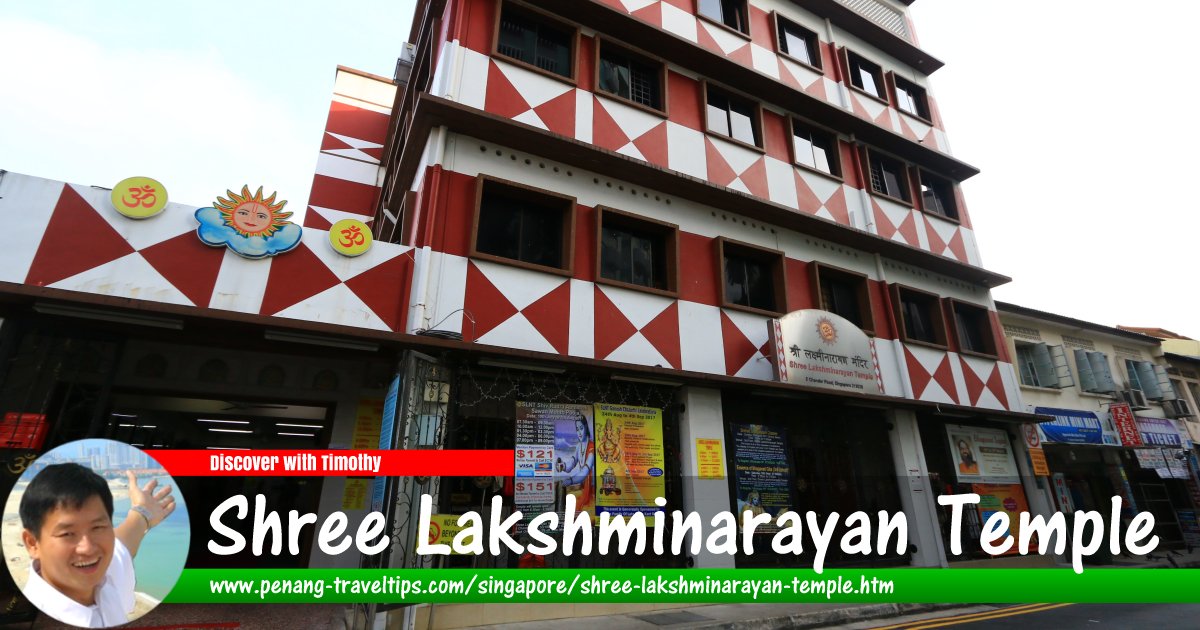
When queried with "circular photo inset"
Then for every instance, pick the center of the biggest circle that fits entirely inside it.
(95, 534)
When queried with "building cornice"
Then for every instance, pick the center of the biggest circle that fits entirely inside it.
(1004, 308)
(867, 30)
(432, 111)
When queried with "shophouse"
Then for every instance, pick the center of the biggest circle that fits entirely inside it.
(1120, 425)
(712, 251)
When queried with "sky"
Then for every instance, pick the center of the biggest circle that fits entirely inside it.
(1076, 111)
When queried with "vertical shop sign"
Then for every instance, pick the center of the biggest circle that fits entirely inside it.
(1062, 494)
(630, 459)
(387, 427)
(1122, 417)
(709, 460)
(982, 455)
(1037, 457)
(762, 472)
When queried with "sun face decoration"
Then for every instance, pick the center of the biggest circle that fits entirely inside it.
(252, 215)
(827, 331)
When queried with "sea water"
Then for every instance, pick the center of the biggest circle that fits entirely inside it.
(164, 549)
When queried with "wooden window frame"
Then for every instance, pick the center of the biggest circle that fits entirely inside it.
(756, 121)
(601, 43)
(571, 29)
(880, 78)
(776, 259)
(922, 176)
(989, 333)
(866, 155)
(813, 44)
(721, 22)
(863, 289)
(538, 195)
(837, 148)
(922, 95)
(670, 234)
(941, 339)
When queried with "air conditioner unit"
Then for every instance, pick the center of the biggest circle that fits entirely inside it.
(1177, 408)
(1136, 398)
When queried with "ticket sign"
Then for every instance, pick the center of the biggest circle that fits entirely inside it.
(820, 349)
(139, 197)
(1127, 429)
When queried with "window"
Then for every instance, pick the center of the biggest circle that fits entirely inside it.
(844, 293)
(732, 116)
(889, 176)
(1151, 379)
(937, 196)
(865, 75)
(815, 149)
(798, 42)
(1094, 374)
(910, 97)
(630, 76)
(731, 13)
(517, 223)
(973, 329)
(920, 316)
(1042, 365)
(753, 277)
(534, 40)
(635, 251)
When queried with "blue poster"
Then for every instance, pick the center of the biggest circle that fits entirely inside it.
(386, 428)
(1070, 426)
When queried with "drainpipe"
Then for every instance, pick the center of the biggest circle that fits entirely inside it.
(423, 260)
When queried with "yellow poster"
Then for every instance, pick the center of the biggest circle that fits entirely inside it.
(354, 497)
(442, 530)
(630, 459)
(708, 459)
(367, 421)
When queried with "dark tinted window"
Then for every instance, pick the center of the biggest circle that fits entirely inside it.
(527, 37)
(512, 225)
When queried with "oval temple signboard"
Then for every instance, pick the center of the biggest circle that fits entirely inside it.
(819, 349)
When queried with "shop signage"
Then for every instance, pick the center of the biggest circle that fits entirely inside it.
(761, 471)
(387, 427)
(819, 349)
(1033, 444)
(1007, 498)
(709, 459)
(442, 530)
(982, 455)
(1062, 494)
(1070, 426)
(350, 237)
(139, 197)
(630, 459)
(1158, 431)
(250, 225)
(1122, 417)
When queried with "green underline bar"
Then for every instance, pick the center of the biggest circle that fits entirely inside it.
(699, 586)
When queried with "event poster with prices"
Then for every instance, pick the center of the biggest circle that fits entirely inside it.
(368, 424)
(567, 430)
(1008, 498)
(710, 460)
(982, 455)
(630, 459)
(762, 471)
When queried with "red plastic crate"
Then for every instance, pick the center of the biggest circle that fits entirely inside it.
(23, 430)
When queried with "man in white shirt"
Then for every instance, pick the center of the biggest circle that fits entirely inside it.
(82, 571)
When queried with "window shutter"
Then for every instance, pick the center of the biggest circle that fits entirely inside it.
(1164, 382)
(1043, 366)
(1148, 380)
(1087, 377)
(1062, 369)
(1103, 373)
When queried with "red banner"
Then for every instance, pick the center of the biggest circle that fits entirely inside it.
(336, 463)
(1122, 417)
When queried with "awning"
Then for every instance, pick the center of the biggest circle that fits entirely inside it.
(1070, 426)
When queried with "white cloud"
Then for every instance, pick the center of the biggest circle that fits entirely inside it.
(87, 112)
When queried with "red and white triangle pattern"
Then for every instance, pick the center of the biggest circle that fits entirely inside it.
(531, 98)
(86, 246)
(517, 308)
(985, 384)
(633, 327)
(946, 238)
(897, 222)
(747, 344)
(932, 374)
